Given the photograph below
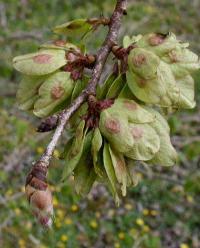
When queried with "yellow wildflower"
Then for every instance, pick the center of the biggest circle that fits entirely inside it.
(121, 235)
(57, 188)
(128, 206)
(98, 214)
(40, 150)
(17, 211)
(133, 232)
(55, 201)
(43, 246)
(22, 243)
(68, 221)
(145, 211)
(190, 199)
(183, 245)
(60, 213)
(74, 208)
(177, 188)
(61, 245)
(93, 224)
(111, 213)
(139, 222)
(58, 223)
(117, 245)
(64, 238)
(29, 225)
(146, 228)
(154, 212)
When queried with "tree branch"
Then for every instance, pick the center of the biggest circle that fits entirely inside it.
(102, 55)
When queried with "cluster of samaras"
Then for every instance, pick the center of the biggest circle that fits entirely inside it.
(120, 126)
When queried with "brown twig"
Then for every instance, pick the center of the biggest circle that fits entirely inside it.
(102, 55)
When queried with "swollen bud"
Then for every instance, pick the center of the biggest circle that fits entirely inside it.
(39, 195)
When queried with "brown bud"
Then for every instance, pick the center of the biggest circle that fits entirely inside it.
(38, 194)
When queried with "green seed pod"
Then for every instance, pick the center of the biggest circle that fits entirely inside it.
(119, 166)
(116, 87)
(162, 90)
(110, 172)
(143, 63)
(84, 176)
(55, 90)
(157, 43)
(79, 87)
(114, 127)
(96, 146)
(186, 98)
(62, 45)
(127, 41)
(147, 90)
(76, 27)
(126, 93)
(132, 110)
(173, 92)
(40, 63)
(27, 92)
(147, 142)
(182, 61)
(133, 178)
(76, 150)
(84, 173)
(166, 155)
(103, 89)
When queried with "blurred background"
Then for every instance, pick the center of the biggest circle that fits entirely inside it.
(163, 210)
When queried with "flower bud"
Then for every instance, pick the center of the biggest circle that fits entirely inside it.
(38, 194)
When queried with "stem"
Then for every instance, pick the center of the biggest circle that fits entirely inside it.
(102, 55)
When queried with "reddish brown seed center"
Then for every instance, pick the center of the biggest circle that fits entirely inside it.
(141, 83)
(130, 105)
(156, 39)
(137, 132)
(42, 58)
(139, 60)
(57, 92)
(113, 125)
